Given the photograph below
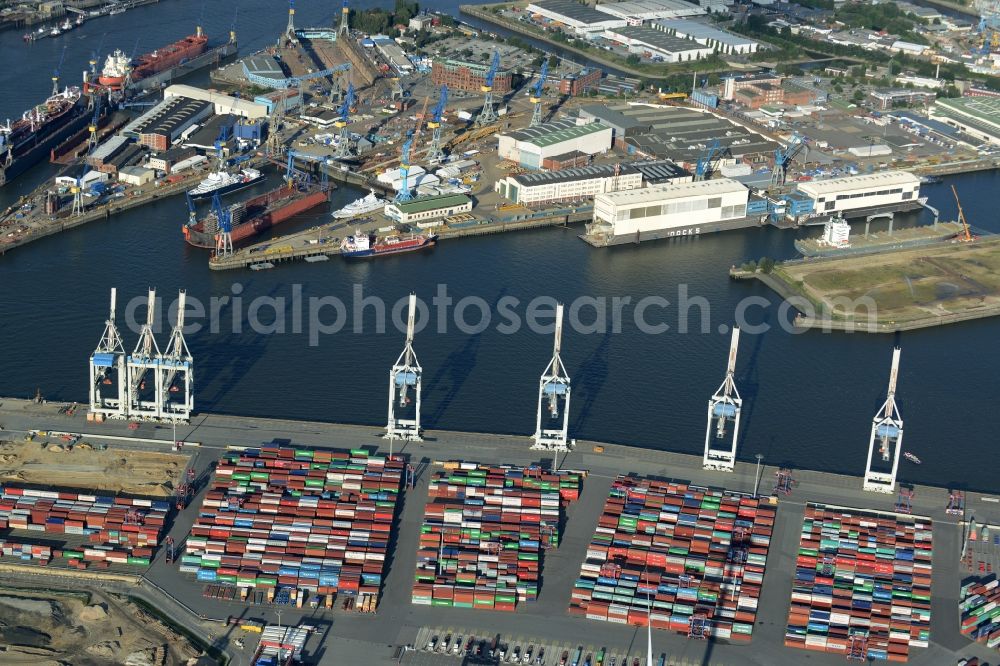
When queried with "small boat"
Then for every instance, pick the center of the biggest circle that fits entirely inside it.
(912, 458)
(55, 32)
(262, 266)
(80, 20)
(67, 25)
(930, 180)
(117, 10)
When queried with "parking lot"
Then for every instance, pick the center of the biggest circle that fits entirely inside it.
(439, 645)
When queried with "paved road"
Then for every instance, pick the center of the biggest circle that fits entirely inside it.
(372, 638)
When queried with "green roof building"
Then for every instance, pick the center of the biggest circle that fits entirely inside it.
(423, 211)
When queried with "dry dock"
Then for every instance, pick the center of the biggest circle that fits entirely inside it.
(372, 638)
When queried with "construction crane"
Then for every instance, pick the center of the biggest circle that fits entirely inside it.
(344, 141)
(421, 120)
(224, 219)
(536, 95)
(887, 429)
(965, 235)
(405, 376)
(554, 389)
(704, 165)
(92, 128)
(723, 408)
(488, 115)
(435, 154)
(404, 171)
(783, 158)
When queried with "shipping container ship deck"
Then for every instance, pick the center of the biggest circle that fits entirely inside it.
(398, 621)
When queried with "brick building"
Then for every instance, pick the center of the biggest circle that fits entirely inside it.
(581, 83)
(468, 76)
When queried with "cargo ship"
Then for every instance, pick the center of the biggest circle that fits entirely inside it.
(256, 215)
(120, 70)
(364, 246)
(28, 140)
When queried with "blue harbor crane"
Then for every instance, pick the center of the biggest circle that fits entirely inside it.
(488, 115)
(704, 165)
(435, 154)
(224, 220)
(55, 74)
(783, 158)
(92, 141)
(95, 56)
(536, 95)
(887, 433)
(344, 141)
(404, 171)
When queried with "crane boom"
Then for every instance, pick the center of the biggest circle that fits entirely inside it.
(966, 234)
(423, 117)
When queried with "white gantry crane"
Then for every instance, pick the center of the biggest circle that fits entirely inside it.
(724, 408)
(143, 366)
(553, 389)
(887, 430)
(107, 369)
(177, 373)
(403, 378)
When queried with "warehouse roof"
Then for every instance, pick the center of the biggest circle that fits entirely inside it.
(848, 183)
(612, 117)
(109, 148)
(424, 204)
(572, 9)
(263, 65)
(985, 109)
(536, 178)
(699, 30)
(649, 9)
(557, 132)
(660, 193)
(660, 170)
(657, 39)
(530, 133)
(167, 115)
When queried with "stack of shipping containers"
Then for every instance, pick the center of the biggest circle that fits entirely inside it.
(862, 584)
(682, 558)
(484, 531)
(92, 528)
(303, 519)
(980, 608)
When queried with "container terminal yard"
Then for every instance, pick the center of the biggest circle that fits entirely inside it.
(541, 543)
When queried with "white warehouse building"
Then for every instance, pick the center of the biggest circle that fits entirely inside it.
(567, 184)
(873, 190)
(636, 12)
(707, 35)
(581, 19)
(664, 211)
(224, 104)
(642, 40)
(532, 146)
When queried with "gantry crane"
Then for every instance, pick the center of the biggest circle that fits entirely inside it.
(488, 115)
(142, 364)
(435, 154)
(403, 195)
(965, 235)
(344, 140)
(290, 29)
(554, 389)
(55, 73)
(887, 430)
(177, 372)
(404, 377)
(345, 21)
(536, 95)
(723, 408)
(224, 221)
(783, 158)
(107, 368)
(703, 167)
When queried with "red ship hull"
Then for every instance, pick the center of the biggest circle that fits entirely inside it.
(169, 56)
(262, 212)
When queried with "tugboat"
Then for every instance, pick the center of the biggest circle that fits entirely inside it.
(912, 458)
(363, 246)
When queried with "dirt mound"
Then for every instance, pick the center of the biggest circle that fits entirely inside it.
(94, 613)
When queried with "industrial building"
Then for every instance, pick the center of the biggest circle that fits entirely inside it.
(581, 83)
(468, 76)
(721, 41)
(864, 192)
(978, 117)
(583, 20)
(162, 124)
(263, 68)
(678, 134)
(166, 160)
(136, 175)
(423, 210)
(637, 12)
(658, 44)
(392, 52)
(224, 104)
(663, 211)
(888, 99)
(532, 146)
(544, 187)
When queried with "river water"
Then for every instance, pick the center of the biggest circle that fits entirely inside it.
(809, 397)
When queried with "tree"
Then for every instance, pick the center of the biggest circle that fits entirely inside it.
(553, 61)
(766, 264)
(858, 97)
(633, 59)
